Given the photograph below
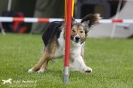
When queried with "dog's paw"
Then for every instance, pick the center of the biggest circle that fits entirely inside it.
(30, 70)
(87, 70)
(41, 71)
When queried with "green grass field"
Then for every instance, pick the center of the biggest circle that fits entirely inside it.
(110, 59)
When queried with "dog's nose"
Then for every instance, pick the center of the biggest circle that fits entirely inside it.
(77, 38)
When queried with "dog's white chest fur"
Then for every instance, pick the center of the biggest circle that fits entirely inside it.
(61, 49)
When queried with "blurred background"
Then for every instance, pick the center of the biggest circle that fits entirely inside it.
(55, 9)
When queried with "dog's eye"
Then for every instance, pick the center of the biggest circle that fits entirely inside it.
(73, 30)
(81, 31)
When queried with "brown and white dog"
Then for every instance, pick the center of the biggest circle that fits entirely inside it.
(54, 42)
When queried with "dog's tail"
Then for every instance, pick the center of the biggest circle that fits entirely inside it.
(92, 18)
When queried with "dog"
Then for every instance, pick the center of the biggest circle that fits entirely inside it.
(7, 81)
(54, 42)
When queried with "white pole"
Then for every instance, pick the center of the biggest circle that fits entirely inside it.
(8, 8)
(2, 29)
(9, 5)
(116, 17)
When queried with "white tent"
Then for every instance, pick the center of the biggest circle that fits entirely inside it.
(105, 30)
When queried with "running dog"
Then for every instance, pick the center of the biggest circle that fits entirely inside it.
(7, 81)
(54, 42)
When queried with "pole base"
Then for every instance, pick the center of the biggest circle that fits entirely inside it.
(66, 75)
(66, 79)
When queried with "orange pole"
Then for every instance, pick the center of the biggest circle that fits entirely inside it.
(65, 11)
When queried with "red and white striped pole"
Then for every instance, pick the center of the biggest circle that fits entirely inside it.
(67, 41)
(48, 20)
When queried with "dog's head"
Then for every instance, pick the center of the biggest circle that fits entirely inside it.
(9, 79)
(80, 31)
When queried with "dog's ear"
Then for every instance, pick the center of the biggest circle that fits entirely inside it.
(73, 20)
(90, 19)
(86, 26)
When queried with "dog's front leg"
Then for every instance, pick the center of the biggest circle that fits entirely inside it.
(78, 63)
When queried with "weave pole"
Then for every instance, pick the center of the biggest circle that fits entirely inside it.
(65, 13)
(67, 41)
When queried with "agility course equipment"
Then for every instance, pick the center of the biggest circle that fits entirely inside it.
(47, 20)
(67, 41)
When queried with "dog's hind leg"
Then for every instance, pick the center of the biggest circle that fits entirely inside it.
(42, 61)
(44, 66)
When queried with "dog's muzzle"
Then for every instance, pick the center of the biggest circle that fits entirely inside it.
(77, 38)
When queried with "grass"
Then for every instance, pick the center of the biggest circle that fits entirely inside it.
(110, 59)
